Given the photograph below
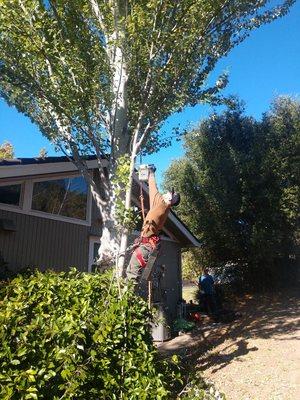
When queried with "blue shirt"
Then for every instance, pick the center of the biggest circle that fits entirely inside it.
(207, 284)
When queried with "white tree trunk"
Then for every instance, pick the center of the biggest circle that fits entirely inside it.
(109, 244)
(114, 238)
(109, 240)
(113, 243)
(121, 268)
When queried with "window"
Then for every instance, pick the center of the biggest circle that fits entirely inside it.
(10, 194)
(93, 253)
(65, 196)
(96, 247)
(96, 251)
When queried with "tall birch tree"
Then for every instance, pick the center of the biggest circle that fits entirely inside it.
(101, 76)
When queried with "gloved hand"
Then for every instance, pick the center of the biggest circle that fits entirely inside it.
(152, 168)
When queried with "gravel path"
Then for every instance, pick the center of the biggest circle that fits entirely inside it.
(255, 358)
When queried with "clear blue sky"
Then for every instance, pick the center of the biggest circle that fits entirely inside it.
(265, 65)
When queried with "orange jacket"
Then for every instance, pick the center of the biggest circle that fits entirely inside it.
(158, 213)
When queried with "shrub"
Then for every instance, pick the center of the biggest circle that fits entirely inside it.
(198, 389)
(71, 336)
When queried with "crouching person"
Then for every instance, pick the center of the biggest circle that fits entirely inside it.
(149, 242)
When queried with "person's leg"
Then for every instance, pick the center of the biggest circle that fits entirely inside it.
(210, 304)
(135, 269)
(213, 308)
(213, 303)
(218, 297)
(206, 303)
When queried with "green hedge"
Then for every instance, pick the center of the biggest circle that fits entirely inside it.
(71, 336)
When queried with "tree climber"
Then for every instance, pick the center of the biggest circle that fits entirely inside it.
(155, 219)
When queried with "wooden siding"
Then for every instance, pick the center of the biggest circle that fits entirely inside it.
(169, 291)
(44, 243)
(95, 228)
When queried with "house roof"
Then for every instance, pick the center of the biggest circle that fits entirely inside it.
(37, 160)
(15, 169)
(22, 167)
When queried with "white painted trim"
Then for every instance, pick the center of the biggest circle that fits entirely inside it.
(41, 214)
(20, 170)
(19, 182)
(58, 217)
(13, 206)
(8, 181)
(26, 201)
(28, 188)
(170, 235)
(184, 230)
(10, 207)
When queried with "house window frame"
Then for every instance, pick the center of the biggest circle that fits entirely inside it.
(25, 207)
(14, 207)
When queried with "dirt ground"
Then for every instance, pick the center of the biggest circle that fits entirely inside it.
(256, 357)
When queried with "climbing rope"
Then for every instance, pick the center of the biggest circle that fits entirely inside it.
(142, 201)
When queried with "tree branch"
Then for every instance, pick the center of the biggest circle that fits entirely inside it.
(95, 7)
(143, 137)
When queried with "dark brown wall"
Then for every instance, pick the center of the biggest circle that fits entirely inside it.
(43, 242)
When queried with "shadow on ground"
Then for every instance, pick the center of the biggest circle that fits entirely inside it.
(265, 316)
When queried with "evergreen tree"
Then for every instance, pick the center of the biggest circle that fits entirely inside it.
(240, 183)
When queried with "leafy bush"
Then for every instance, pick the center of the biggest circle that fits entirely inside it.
(182, 325)
(198, 389)
(72, 336)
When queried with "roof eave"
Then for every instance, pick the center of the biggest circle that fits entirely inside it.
(21, 170)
